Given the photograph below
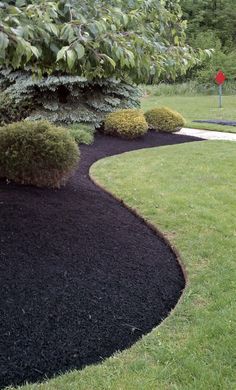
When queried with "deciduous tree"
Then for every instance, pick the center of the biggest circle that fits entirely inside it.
(127, 40)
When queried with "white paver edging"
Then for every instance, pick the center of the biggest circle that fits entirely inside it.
(206, 134)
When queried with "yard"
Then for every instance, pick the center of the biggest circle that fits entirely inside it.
(118, 237)
(197, 108)
(188, 192)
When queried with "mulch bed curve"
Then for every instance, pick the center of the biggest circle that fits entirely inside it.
(81, 276)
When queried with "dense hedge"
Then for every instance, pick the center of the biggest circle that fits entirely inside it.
(126, 124)
(37, 153)
(164, 119)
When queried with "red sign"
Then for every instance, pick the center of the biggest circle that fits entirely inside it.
(220, 78)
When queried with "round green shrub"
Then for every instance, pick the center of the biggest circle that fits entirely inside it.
(164, 119)
(37, 153)
(127, 123)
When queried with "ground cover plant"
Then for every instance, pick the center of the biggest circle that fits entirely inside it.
(195, 347)
(82, 133)
(37, 153)
(196, 108)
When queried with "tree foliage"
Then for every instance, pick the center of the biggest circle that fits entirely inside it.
(212, 24)
(95, 39)
(222, 58)
(218, 16)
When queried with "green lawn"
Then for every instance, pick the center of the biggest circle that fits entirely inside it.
(197, 107)
(188, 192)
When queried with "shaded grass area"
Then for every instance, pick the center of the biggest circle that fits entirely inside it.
(197, 108)
(188, 191)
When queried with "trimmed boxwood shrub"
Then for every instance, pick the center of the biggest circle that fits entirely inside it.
(37, 153)
(164, 119)
(126, 124)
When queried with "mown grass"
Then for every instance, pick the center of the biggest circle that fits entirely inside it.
(187, 191)
(197, 108)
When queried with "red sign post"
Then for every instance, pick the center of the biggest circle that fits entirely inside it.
(220, 79)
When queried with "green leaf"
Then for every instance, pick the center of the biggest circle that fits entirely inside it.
(176, 40)
(20, 3)
(13, 10)
(62, 52)
(4, 41)
(79, 50)
(70, 58)
(54, 48)
(67, 33)
(18, 31)
(126, 19)
(51, 28)
(35, 51)
(110, 60)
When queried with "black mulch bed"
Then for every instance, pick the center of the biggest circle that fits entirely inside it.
(217, 122)
(81, 277)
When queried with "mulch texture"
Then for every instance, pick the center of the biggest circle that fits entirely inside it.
(81, 277)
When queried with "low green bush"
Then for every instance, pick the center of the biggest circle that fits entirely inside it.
(37, 153)
(126, 124)
(82, 133)
(164, 119)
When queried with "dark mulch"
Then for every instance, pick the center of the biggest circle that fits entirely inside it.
(81, 277)
(217, 122)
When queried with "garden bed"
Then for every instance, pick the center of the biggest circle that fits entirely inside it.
(81, 276)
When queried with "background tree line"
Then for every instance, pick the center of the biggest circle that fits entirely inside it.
(212, 24)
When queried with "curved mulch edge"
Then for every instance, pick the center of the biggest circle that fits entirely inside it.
(153, 228)
(143, 297)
